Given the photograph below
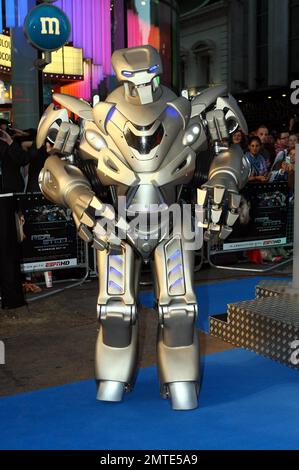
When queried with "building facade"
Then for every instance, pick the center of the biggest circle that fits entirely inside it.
(83, 67)
(251, 46)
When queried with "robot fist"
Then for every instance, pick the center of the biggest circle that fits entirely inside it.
(67, 135)
(97, 223)
(220, 209)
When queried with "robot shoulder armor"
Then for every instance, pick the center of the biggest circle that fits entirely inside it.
(79, 107)
(101, 114)
(49, 120)
(183, 107)
(209, 96)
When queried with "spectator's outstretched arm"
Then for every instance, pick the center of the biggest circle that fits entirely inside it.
(14, 150)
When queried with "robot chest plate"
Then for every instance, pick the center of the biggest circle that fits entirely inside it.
(142, 155)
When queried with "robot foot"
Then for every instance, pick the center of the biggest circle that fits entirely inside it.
(110, 391)
(183, 395)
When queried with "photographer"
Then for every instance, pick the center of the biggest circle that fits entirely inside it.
(12, 158)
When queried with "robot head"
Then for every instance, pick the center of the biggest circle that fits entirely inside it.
(138, 68)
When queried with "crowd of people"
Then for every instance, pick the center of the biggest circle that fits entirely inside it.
(272, 157)
(20, 164)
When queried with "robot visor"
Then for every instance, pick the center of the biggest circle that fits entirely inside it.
(144, 144)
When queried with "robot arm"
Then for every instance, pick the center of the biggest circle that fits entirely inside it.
(220, 116)
(67, 135)
(65, 184)
(219, 196)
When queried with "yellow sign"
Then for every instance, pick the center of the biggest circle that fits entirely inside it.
(5, 51)
(66, 61)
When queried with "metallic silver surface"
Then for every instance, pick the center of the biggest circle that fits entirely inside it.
(268, 325)
(183, 395)
(230, 170)
(49, 120)
(138, 67)
(178, 348)
(110, 391)
(208, 97)
(146, 144)
(116, 348)
(79, 107)
(66, 139)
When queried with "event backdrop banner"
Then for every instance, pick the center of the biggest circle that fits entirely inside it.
(48, 234)
(263, 217)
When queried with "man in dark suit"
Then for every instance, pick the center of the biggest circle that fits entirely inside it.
(12, 158)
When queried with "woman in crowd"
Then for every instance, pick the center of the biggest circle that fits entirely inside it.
(238, 138)
(283, 155)
(259, 170)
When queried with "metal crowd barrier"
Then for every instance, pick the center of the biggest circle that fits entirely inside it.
(75, 256)
(216, 249)
(83, 263)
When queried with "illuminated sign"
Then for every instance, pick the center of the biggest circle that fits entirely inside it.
(5, 51)
(47, 27)
(66, 61)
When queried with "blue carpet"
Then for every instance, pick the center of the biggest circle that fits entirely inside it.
(213, 298)
(246, 402)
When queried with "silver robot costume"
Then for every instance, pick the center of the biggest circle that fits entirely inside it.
(145, 143)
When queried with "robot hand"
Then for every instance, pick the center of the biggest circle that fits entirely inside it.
(96, 222)
(220, 210)
(65, 185)
(66, 139)
(68, 133)
(219, 196)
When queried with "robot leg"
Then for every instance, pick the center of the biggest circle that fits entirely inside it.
(178, 346)
(116, 348)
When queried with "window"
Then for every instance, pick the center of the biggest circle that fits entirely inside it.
(204, 52)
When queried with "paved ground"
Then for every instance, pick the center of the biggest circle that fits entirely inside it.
(52, 342)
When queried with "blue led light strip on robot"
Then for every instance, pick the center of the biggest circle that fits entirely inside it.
(176, 283)
(172, 112)
(175, 255)
(113, 285)
(117, 258)
(176, 269)
(115, 271)
(109, 115)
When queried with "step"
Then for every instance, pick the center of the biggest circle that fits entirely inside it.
(268, 326)
(272, 288)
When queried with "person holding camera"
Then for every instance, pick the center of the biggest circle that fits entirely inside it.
(12, 158)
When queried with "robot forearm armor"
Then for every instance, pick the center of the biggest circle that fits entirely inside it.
(230, 169)
(65, 184)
